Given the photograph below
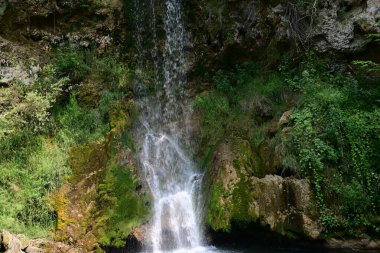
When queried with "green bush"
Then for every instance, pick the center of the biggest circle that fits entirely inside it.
(25, 184)
(232, 108)
(216, 115)
(115, 74)
(29, 106)
(332, 138)
(72, 63)
(77, 124)
(335, 137)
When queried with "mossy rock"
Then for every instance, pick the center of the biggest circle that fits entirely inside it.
(229, 199)
(238, 197)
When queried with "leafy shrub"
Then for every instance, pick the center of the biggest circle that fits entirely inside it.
(25, 184)
(78, 124)
(216, 115)
(335, 137)
(232, 108)
(332, 138)
(113, 73)
(39, 124)
(28, 106)
(72, 63)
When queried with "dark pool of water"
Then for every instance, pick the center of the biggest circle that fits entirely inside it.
(268, 249)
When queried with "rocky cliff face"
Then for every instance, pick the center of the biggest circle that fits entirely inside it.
(54, 22)
(11, 243)
(228, 32)
(31, 29)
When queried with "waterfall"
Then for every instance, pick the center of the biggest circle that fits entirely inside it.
(170, 173)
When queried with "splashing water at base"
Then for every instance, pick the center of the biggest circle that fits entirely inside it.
(172, 180)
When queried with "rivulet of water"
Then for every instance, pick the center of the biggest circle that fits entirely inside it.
(170, 173)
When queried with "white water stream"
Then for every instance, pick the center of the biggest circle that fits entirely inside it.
(170, 173)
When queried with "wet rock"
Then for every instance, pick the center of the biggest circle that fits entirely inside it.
(140, 233)
(281, 203)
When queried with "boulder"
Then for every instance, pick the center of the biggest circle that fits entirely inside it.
(282, 204)
(365, 243)
(10, 242)
(24, 241)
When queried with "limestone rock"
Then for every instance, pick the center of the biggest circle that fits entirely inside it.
(34, 250)
(343, 29)
(282, 204)
(338, 26)
(365, 243)
(24, 241)
(140, 233)
(10, 242)
(285, 118)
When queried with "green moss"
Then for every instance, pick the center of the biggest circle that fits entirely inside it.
(87, 158)
(122, 207)
(218, 213)
(245, 167)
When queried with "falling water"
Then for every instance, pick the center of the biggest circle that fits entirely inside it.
(170, 173)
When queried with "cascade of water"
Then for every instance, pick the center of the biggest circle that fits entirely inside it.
(170, 174)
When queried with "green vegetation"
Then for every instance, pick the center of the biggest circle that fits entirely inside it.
(32, 164)
(369, 67)
(72, 63)
(232, 205)
(331, 138)
(74, 103)
(240, 103)
(334, 139)
(129, 208)
(217, 215)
